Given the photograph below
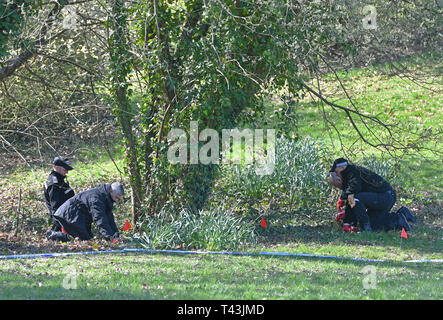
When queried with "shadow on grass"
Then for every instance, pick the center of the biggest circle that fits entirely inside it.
(208, 278)
(425, 239)
(51, 288)
(319, 258)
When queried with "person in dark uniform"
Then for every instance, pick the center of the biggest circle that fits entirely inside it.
(76, 215)
(368, 198)
(56, 188)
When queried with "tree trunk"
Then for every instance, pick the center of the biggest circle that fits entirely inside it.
(120, 68)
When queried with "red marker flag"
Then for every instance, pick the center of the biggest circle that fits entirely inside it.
(127, 226)
(403, 233)
(263, 222)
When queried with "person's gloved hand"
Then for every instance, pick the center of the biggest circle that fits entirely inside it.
(348, 228)
(340, 216)
(340, 203)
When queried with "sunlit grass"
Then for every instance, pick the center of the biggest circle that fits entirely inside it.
(159, 276)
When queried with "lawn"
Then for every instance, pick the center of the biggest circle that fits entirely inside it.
(160, 276)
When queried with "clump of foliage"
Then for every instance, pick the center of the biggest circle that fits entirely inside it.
(297, 181)
(386, 168)
(217, 229)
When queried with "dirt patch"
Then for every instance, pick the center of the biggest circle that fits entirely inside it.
(37, 243)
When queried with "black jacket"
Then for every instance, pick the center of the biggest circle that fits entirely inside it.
(80, 211)
(357, 179)
(56, 191)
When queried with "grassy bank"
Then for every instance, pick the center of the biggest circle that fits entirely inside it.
(409, 101)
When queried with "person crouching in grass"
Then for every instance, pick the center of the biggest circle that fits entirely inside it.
(368, 198)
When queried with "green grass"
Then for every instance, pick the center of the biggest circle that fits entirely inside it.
(393, 99)
(159, 276)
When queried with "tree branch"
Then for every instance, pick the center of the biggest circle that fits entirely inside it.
(13, 64)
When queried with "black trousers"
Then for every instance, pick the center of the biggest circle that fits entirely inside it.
(373, 208)
(55, 224)
(81, 229)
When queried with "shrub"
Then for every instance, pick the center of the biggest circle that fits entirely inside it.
(298, 179)
(299, 173)
(217, 229)
(384, 168)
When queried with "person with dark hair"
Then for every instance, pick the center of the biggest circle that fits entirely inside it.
(76, 215)
(56, 189)
(368, 198)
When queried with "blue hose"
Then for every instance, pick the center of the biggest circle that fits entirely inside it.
(261, 253)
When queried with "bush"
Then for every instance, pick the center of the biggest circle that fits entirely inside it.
(384, 168)
(300, 173)
(298, 180)
(212, 230)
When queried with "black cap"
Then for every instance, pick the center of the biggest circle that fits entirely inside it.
(338, 163)
(64, 163)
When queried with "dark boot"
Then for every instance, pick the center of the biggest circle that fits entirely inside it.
(56, 225)
(366, 227)
(407, 214)
(403, 223)
(49, 234)
(58, 236)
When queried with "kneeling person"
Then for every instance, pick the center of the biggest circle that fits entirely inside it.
(56, 189)
(369, 198)
(76, 215)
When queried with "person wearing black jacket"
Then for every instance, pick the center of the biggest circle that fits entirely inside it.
(56, 189)
(369, 198)
(76, 215)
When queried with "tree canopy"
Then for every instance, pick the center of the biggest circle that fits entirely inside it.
(80, 67)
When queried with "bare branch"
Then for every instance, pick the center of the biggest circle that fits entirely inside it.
(13, 64)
